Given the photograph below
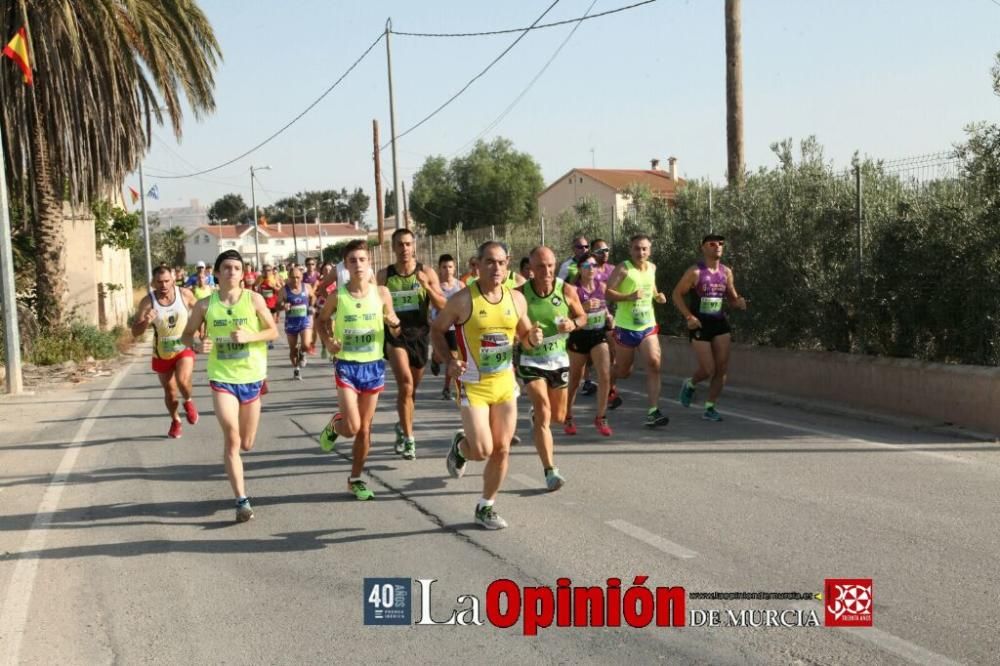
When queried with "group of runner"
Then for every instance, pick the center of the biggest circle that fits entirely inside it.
(494, 331)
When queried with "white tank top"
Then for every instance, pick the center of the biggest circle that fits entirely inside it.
(169, 325)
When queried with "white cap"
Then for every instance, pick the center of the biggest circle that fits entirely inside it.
(200, 264)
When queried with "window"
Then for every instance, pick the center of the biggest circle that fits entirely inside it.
(279, 242)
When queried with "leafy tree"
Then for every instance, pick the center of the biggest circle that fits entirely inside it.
(103, 72)
(113, 225)
(166, 246)
(231, 208)
(492, 185)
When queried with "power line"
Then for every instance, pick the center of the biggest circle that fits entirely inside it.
(524, 32)
(533, 26)
(531, 83)
(293, 120)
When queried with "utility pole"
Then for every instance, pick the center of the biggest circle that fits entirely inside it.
(253, 200)
(406, 209)
(396, 191)
(295, 238)
(11, 334)
(145, 227)
(734, 93)
(379, 210)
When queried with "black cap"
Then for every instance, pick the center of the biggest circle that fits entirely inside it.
(711, 237)
(228, 254)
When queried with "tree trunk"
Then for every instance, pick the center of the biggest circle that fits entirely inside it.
(734, 93)
(50, 261)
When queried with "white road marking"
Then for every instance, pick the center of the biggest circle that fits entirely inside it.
(654, 540)
(17, 600)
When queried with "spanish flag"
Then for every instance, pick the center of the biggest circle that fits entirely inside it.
(133, 193)
(17, 50)
(263, 221)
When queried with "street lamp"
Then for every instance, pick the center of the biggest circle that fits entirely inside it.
(253, 200)
(319, 232)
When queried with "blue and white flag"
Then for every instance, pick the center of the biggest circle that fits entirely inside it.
(154, 192)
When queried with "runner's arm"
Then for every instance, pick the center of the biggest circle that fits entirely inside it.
(684, 285)
(457, 309)
(578, 316)
(528, 334)
(433, 287)
(269, 331)
(324, 320)
(194, 325)
(281, 303)
(388, 312)
(189, 298)
(142, 318)
(611, 291)
(381, 277)
(734, 298)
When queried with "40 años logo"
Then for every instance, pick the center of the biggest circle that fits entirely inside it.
(539, 607)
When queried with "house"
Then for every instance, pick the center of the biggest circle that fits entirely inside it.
(607, 187)
(278, 242)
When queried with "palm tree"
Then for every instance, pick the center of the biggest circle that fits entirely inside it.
(104, 70)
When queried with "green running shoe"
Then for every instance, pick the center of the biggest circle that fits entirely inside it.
(409, 451)
(656, 418)
(687, 393)
(328, 438)
(711, 415)
(488, 518)
(360, 490)
(398, 448)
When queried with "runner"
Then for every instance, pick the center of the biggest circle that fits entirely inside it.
(708, 326)
(165, 308)
(200, 271)
(633, 286)
(472, 274)
(268, 285)
(554, 307)
(488, 317)
(525, 268)
(567, 269)
(296, 299)
(450, 286)
(202, 288)
(362, 312)
(311, 275)
(250, 276)
(322, 289)
(590, 345)
(282, 273)
(601, 252)
(238, 325)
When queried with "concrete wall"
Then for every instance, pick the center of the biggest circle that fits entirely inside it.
(115, 288)
(82, 272)
(573, 189)
(963, 395)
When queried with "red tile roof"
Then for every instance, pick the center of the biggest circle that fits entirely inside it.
(271, 230)
(658, 181)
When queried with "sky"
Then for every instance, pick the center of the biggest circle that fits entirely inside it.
(891, 79)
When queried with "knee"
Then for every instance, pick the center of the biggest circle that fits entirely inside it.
(721, 369)
(542, 417)
(479, 451)
(351, 425)
(709, 369)
(500, 451)
(406, 388)
(654, 363)
(246, 444)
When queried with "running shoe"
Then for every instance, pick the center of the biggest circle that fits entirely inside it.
(360, 490)
(446, 393)
(589, 387)
(297, 374)
(711, 415)
(398, 448)
(455, 461)
(409, 448)
(687, 393)
(554, 480)
(244, 511)
(191, 412)
(435, 368)
(488, 518)
(601, 423)
(614, 400)
(303, 362)
(515, 440)
(568, 426)
(175, 430)
(328, 438)
(656, 418)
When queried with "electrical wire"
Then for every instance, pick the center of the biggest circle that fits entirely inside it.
(293, 120)
(533, 26)
(475, 78)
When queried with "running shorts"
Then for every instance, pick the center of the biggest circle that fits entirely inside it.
(484, 394)
(416, 345)
(711, 328)
(297, 325)
(629, 338)
(556, 379)
(362, 377)
(245, 393)
(165, 366)
(583, 341)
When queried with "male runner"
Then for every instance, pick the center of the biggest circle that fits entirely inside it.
(268, 285)
(311, 276)
(238, 326)
(632, 286)
(413, 288)
(361, 312)
(202, 288)
(200, 271)
(296, 299)
(708, 327)
(554, 307)
(472, 274)
(568, 268)
(488, 318)
(525, 268)
(165, 308)
(450, 285)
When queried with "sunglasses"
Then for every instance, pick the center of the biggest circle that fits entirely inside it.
(715, 243)
(588, 264)
(602, 250)
(581, 247)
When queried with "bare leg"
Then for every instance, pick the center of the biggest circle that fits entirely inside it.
(407, 379)
(293, 348)
(577, 366)
(706, 361)
(183, 370)
(363, 438)
(169, 394)
(720, 348)
(650, 349)
(539, 395)
(602, 363)
(227, 411)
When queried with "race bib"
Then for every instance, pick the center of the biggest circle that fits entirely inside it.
(359, 340)
(298, 311)
(642, 316)
(495, 353)
(596, 320)
(169, 345)
(267, 293)
(710, 305)
(406, 301)
(227, 350)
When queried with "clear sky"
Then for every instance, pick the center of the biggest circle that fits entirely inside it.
(891, 78)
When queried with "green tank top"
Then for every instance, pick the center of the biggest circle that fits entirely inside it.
(202, 292)
(409, 299)
(359, 326)
(637, 315)
(234, 362)
(547, 311)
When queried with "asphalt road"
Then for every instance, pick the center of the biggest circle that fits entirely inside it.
(118, 545)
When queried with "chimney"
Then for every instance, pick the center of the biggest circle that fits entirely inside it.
(279, 227)
(357, 224)
(654, 164)
(672, 161)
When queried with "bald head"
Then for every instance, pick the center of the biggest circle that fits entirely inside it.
(543, 266)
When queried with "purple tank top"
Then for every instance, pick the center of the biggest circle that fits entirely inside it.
(711, 291)
(595, 318)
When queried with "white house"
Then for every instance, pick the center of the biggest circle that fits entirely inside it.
(278, 242)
